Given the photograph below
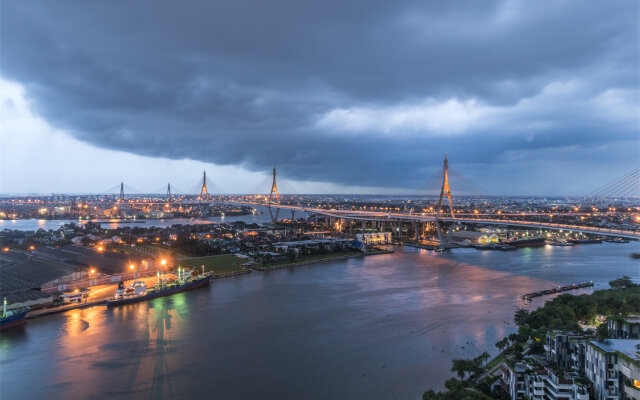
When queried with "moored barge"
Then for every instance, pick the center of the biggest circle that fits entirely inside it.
(141, 293)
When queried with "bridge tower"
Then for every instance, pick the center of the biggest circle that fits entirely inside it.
(445, 241)
(274, 198)
(203, 190)
(168, 191)
(121, 191)
(204, 195)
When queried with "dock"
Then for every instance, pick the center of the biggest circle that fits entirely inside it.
(559, 289)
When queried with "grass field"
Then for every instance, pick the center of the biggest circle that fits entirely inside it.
(218, 264)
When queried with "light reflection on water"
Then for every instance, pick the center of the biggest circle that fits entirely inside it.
(385, 326)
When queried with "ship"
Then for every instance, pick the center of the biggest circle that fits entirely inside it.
(536, 242)
(11, 319)
(559, 242)
(585, 241)
(138, 291)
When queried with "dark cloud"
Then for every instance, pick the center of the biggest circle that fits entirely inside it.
(253, 82)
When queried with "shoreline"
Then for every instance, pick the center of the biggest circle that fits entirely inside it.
(97, 303)
(302, 263)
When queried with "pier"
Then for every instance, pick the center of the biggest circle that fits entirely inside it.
(559, 289)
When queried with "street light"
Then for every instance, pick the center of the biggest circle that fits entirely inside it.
(131, 266)
(163, 262)
(93, 270)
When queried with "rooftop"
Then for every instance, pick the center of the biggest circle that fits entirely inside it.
(628, 347)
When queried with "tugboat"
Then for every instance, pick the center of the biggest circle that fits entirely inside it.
(138, 291)
(12, 319)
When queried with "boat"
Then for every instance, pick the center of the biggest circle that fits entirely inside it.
(559, 242)
(584, 241)
(11, 319)
(536, 242)
(138, 291)
(635, 255)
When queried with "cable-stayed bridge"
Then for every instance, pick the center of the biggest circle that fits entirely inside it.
(445, 185)
(441, 215)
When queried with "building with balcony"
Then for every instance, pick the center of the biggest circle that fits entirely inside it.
(613, 367)
(624, 327)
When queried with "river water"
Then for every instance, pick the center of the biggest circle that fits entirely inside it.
(46, 224)
(380, 327)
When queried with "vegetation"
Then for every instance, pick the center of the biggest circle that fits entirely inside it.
(562, 313)
(566, 311)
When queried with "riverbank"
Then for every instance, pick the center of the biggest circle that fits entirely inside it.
(299, 264)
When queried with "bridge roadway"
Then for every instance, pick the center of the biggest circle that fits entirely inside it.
(395, 217)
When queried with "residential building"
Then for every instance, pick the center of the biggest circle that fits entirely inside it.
(612, 365)
(624, 327)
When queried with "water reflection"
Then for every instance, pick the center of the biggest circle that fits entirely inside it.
(385, 326)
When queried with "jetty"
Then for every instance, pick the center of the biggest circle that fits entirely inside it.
(559, 289)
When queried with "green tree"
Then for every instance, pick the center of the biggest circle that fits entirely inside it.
(622, 283)
(521, 317)
(602, 332)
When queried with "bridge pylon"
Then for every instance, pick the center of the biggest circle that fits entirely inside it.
(445, 191)
(204, 195)
(274, 198)
(121, 191)
(204, 191)
(168, 191)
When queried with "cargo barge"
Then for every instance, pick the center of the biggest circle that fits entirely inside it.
(138, 292)
(11, 319)
(536, 242)
(559, 289)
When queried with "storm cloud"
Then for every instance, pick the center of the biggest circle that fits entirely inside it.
(354, 93)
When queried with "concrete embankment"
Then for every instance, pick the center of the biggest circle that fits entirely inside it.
(49, 311)
(228, 274)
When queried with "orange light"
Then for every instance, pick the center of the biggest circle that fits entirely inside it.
(5, 249)
(100, 248)
(32, 248)
(163, 262)
(132, 266)
(636, 383)
(93, 270)
(76, 291)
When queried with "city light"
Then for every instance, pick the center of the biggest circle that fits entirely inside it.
(131, 266)
(100, 248)
(163, 262)
(32, 247)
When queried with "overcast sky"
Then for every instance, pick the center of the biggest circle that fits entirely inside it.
(526, 97)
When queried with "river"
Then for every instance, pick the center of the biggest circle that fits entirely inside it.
(46, 224)
(379, 327)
